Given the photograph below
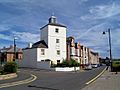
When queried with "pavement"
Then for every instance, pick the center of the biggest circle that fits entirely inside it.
(107, 81)
(22, 78)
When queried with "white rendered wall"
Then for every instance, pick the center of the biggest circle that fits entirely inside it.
(44, 64)
(32, 59)
(87, 62)
(53, 46)
(65, 69)
(49, 35)
(72, 50)
(29, 58)
(44, 34)
(42, 57)
(81, 56)
(84, 59)
(78, 52)
(85, 56)
(94, 59)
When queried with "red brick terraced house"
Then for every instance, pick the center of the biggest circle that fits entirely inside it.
(8, 54)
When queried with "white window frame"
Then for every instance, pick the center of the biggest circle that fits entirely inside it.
(58, 61)
(57, 40)
(58, 52)
(42, 51)
(56, 30)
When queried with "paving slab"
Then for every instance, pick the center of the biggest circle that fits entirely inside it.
(107, 81)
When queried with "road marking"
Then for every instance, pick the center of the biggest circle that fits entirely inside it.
(31, 79)
(92, 80)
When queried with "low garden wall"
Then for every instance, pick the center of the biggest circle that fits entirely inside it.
(8, 76)
(67, 69)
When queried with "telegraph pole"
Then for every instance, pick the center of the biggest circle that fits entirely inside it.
(110, 51)
(14, 49)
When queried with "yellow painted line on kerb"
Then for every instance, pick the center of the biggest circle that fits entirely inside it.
(92, 80)
(31, 79)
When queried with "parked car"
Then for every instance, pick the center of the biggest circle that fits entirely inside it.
(94, 65)
(88, 67)
(100, 64)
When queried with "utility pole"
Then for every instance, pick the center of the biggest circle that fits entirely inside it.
(109, 32)
(14, 49)
(110, 51)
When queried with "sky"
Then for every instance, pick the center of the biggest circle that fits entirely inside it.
(85, 21)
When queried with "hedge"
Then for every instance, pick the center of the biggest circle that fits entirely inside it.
(10, 67)
(70, 63)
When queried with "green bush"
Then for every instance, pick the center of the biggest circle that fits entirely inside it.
(73, 63)
(10, 67)
(115, 63)
(70, 63)
(65, 63)
(2, 72)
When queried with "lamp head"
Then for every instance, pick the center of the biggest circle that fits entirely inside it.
(103, 32)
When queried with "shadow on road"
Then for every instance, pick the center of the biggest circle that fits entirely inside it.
(34, 86)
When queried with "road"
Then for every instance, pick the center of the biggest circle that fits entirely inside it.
(50, 80)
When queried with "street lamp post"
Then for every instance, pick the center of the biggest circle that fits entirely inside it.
(14, 49)
(110, 44)
(110, 51)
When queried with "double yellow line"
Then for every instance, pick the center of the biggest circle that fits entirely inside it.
(31, 79)
(92, 80)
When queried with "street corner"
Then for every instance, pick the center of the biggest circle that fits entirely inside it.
(20, 82)
(8, 76)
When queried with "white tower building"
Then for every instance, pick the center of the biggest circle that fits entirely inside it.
(54, 35)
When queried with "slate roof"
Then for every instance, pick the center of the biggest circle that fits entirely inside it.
(54, 24)
(94, 53)
(69, 39)
(40, 44)
(10, 50)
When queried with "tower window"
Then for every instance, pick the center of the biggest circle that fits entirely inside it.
(58, 52)
(42, 52)
(57, 40)
(58, 61)
(57, 30)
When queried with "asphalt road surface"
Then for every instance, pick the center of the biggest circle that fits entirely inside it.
(50, 80)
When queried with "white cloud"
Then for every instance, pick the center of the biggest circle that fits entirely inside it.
(102, 11)
(98, 42)
(26, 21)
(91, 30)
(82, 1)
(13, 1)
(4, 27)
(6, 37)
(28, 15)
(115, 35)
(21, 37)
(94, 39)
(27, 37)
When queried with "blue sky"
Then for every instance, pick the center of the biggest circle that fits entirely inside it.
(85, 20)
